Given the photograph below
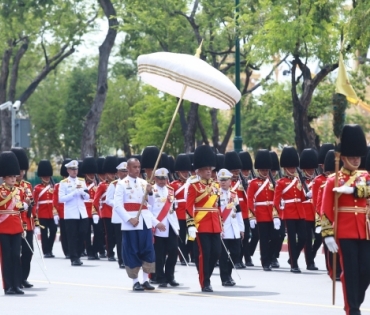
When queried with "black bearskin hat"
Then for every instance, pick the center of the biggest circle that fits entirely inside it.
(21, 155)
(323, 150)
(246, 160)
(110, 164)
(367, 162)
(183, 162)
(121, 159)
(80, 172)
(63, 169)
(191, 157)
(204, 157)
(308, 159)
(289, 157)
(100, 163)
(9, 165)
(329, 162)
(232, 161)
(363, 160)
(352, 141)
(262, 160)
(44, 169)
(89, 166)
(220, 161)
(164, 162)
(275, 165)
(149, 157)
(171, 164)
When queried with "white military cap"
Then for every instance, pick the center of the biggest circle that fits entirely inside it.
(72, 164)
(161, 172)
(223, 173)
(122, 166)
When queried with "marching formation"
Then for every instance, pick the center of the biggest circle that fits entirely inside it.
(202, 207)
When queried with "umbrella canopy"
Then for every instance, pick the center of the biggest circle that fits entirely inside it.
(205, 85)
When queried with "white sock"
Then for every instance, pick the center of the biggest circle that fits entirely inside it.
(135, 280)
(145, 276)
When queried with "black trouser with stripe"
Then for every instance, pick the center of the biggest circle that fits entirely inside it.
(245, 251)
(355, 262)
(10, 255)
(110, 239)
(48, 235)
(226, 266)
(295, 228)
(310, 249)
(207, 251)
(63, 237)
(92, 248)
(165, 266)
(268, 238)
(27, 255)
(76, 233)
(280, 240)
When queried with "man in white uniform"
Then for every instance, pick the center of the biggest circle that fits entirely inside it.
(137, 249)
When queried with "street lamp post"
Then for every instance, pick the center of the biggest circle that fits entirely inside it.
(237, 138)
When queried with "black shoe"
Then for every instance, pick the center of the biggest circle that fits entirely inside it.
(18, 290)
(207, 288)
(91, 258)
(47, 255)
(147, 286)
(312, 267)
(122, 266)
(9, 291)
(217, 263)
(111, 258)
(295, 270)
(239, 266)
(228, 283)
(52, 255)
(83, 254)
(68, 257)
(288, 261)
(96, 257)
(249, 264)
(267, 268)
(153, 281)
(26, 284)
(137, 287)
(162, 285)
(243, 265)
(275, 264)
(77, 262)
(173, 283)
(102, 256)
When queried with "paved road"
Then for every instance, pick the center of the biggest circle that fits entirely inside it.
(100, 287)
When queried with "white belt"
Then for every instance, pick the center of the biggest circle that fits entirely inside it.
(292, 200)
(241, 199)
(307, 201)
(42, 202)
(180, 200)
(90, 200)
(264, 203)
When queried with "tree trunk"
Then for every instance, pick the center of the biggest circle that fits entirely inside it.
(229, 132)
(88, 146)
(215, 129)
(192, 126)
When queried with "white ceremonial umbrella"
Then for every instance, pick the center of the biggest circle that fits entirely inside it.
(187, 77)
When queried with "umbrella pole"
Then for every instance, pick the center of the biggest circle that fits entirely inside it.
(336, 197)
(163, 145)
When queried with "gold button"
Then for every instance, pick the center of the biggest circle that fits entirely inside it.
(355, 213)
(355, 206)
(355, 200)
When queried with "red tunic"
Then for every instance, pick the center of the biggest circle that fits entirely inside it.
(43, 203)
(10, 206)
(92, 188)
(202, 205)
(242, 196)
(262, 212)
(351, 210)
(26, 188)
(293, 199)
(179, 190)
(317, 183)
(100, 199)
(308, 205)
(59, 206)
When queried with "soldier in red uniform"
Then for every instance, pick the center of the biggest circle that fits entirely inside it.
(182, 169)
(105, 210)
(43, 197)
(308, 163)
(204, 216)
(11, 226)
(58, 210)
(90, 168)
(247, 166)
(29, 218)
(262, 214)
(288, 199)
(352, 237)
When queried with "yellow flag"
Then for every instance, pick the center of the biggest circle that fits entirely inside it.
(343, 86)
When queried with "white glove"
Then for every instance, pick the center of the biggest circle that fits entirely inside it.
(277, 223)
(37, 230)
(25, 206)
(77, 192)
(318, 230)
(252, 223)
(95, 218)
(309, 194)
(24, 234)
(344, 190)
(56, 219)
(331, 244)
(192, 231)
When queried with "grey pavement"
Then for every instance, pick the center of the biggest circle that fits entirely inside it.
(100, 287)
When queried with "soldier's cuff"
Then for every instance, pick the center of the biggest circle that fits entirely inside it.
(24, 226)
(55, 212)
(317, 219)
(36, 222)
(326, 227)
(251, 215)
(94, 211)
(189, 220)
(362, 191)
(275, 213)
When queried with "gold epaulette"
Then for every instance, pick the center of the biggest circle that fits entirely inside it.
(115, 181)
(331, 175)
(64, 180)
(275, 213)
(81, 178)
